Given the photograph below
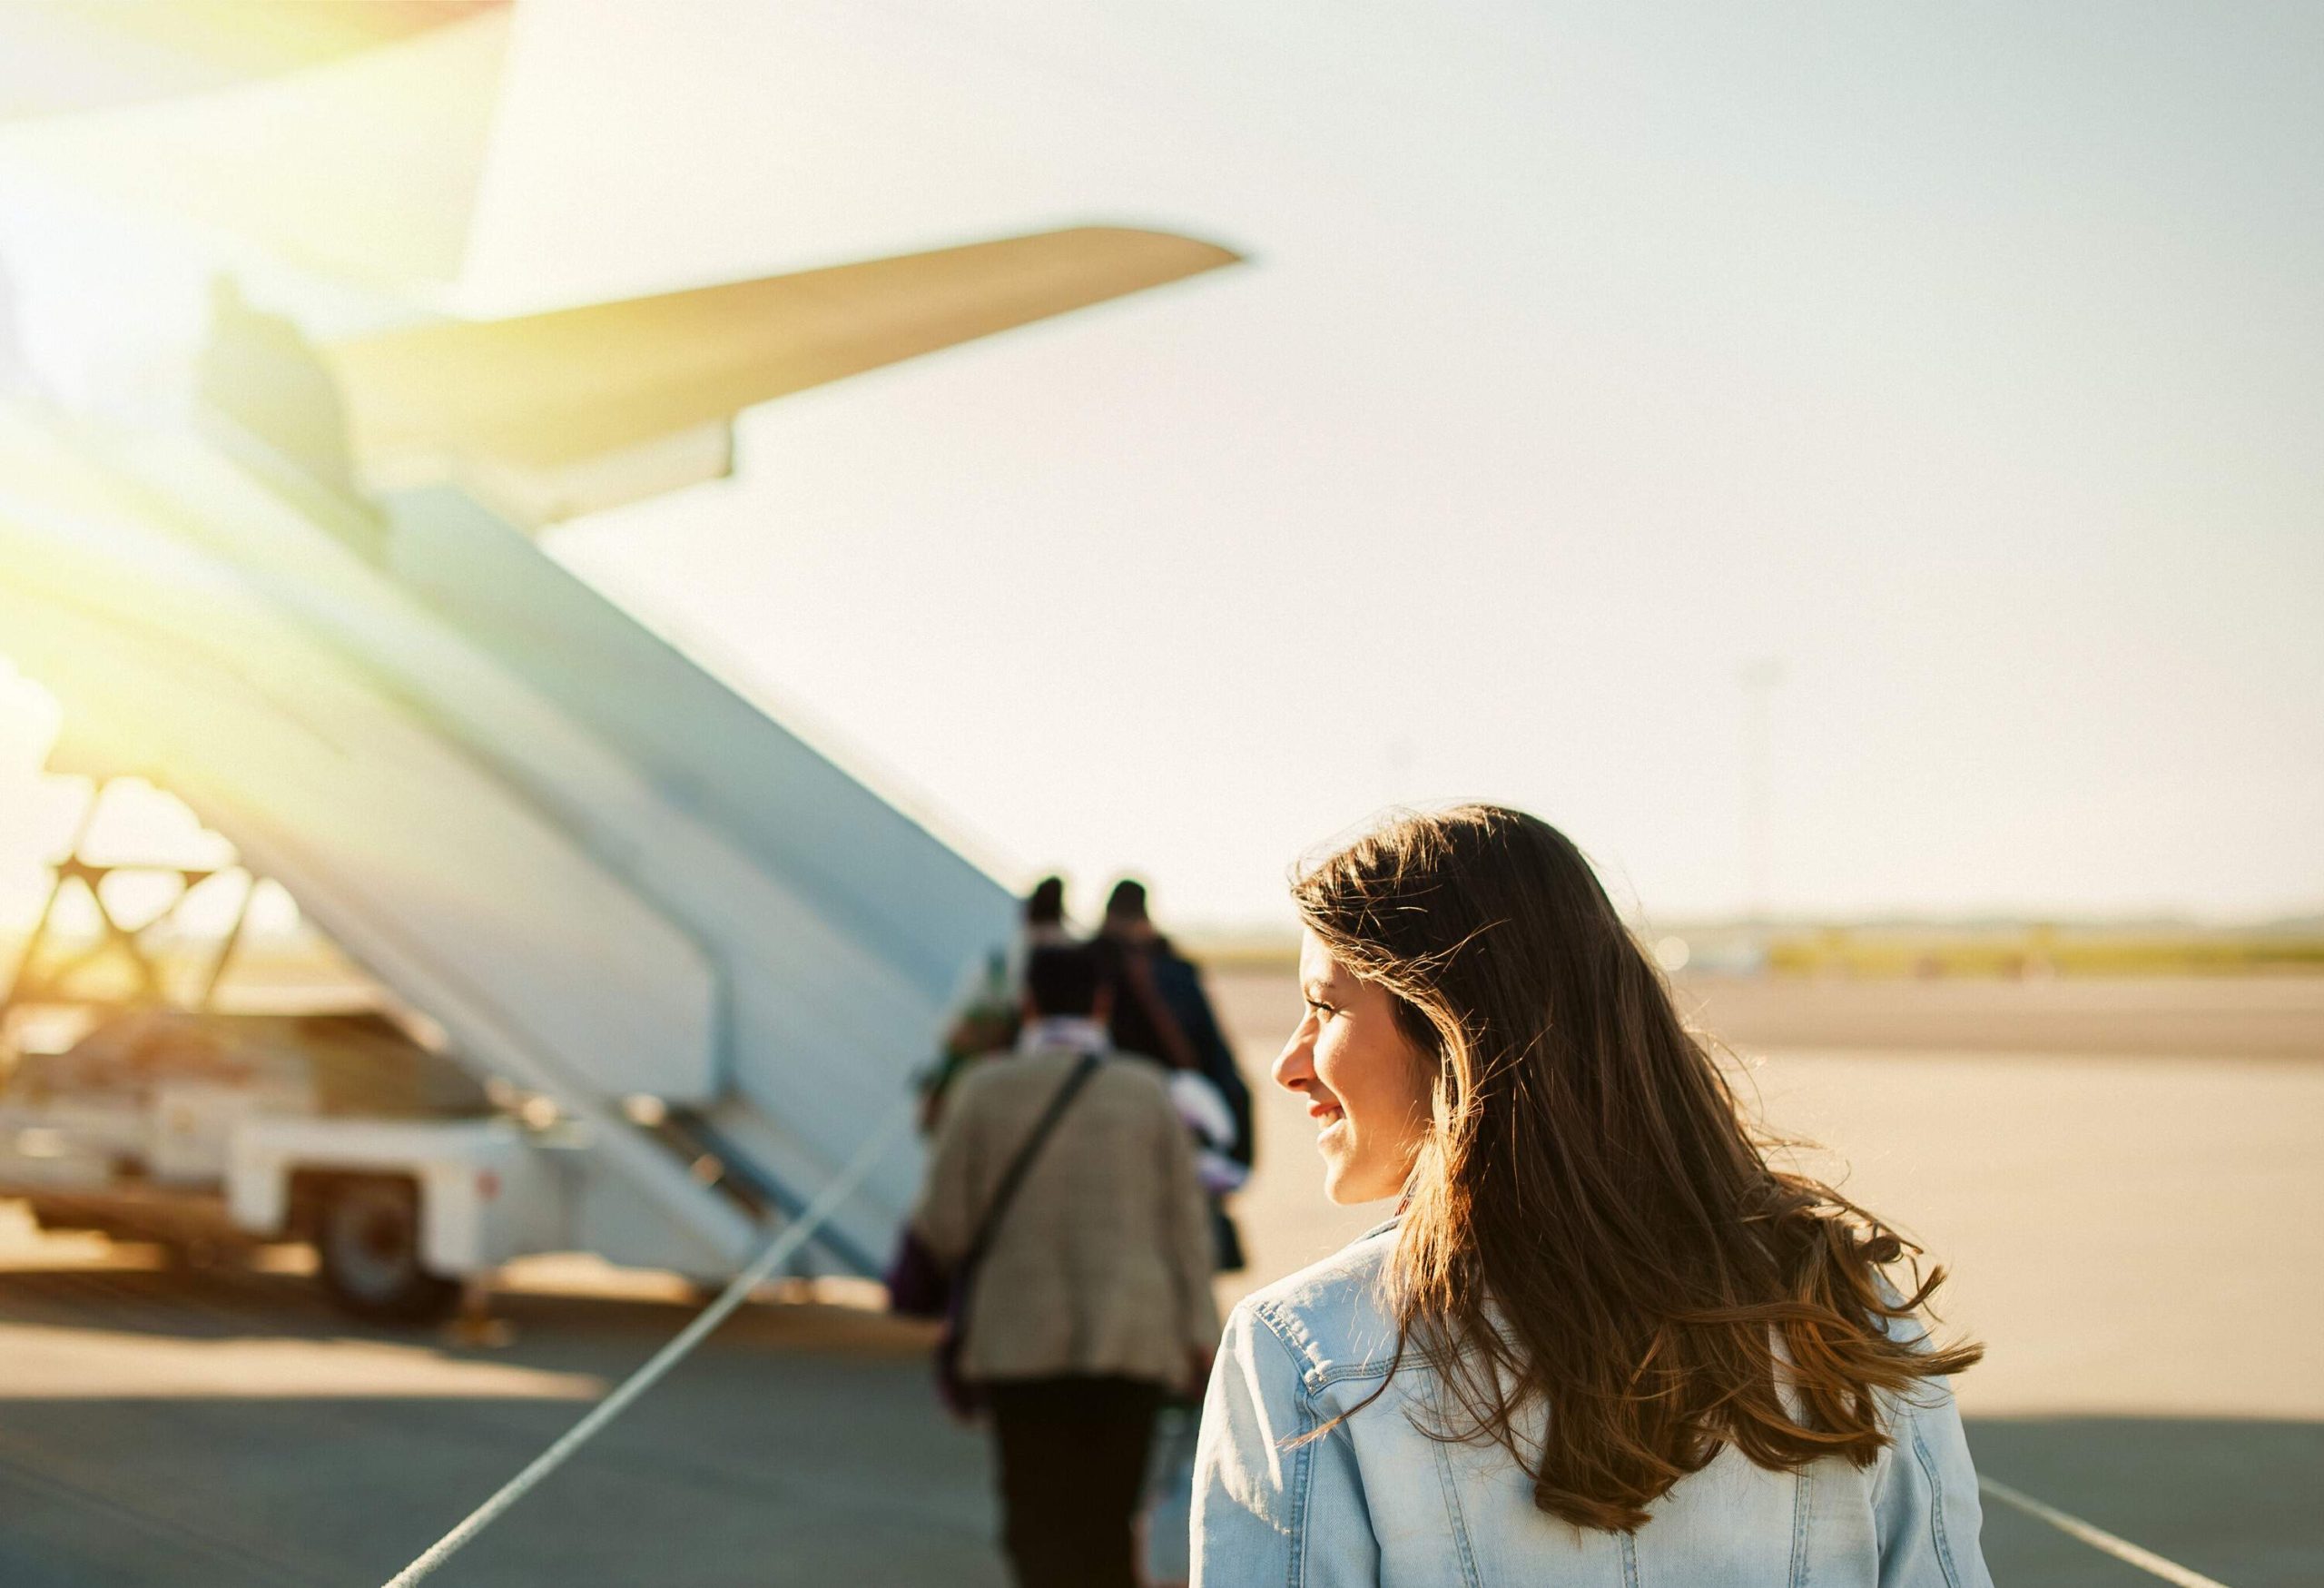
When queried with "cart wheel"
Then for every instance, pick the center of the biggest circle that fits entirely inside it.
(367, 1239)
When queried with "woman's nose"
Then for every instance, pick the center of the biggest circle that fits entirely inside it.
(1296, 1066)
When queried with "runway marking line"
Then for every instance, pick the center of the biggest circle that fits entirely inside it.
(2098, 1538)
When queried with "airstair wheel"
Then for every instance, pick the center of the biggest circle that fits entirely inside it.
(367, 1239)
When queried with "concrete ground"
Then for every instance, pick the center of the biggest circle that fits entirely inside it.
(799, 1446)
(2128, 1211)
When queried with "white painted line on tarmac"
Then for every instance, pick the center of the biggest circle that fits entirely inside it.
(2098, 1538)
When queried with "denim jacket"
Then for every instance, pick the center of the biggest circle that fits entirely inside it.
(1377, 1502)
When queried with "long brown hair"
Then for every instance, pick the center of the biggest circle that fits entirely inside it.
(1595, 1254)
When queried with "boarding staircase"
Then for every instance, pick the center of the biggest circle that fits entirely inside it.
(612, 877)
(316, 608)
(317, 611)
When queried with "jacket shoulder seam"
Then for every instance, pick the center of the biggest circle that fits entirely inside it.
(1282, 1326)
(1317, 1370)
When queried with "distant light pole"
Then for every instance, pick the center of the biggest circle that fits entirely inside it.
(1760, 680)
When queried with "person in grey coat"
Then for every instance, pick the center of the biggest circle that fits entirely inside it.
(1093, 1298)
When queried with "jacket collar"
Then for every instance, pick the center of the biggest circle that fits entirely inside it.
(1076, 1032)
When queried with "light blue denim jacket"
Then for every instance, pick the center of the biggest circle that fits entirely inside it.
(1375, 1501)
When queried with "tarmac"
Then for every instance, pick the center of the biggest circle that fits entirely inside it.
(2131, 1229)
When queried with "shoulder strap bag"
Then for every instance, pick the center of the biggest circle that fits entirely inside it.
(958, 1395)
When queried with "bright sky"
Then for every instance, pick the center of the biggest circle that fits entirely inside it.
(1967, 360)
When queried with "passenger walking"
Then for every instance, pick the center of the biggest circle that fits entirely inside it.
(1602, 1340)
(1161, 1010)
(1062, 1181)
(1045, 923)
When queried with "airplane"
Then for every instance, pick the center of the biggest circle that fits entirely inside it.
(311, 602)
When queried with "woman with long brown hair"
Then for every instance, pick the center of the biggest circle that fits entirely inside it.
(1603, 1340)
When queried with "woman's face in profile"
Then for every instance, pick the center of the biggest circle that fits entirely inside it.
(1366, 1085)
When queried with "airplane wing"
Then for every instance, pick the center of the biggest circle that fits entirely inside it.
(583, 407)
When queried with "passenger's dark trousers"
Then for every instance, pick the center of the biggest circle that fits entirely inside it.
(1072, 1463)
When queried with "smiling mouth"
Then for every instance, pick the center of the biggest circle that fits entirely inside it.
(1327, 1115)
